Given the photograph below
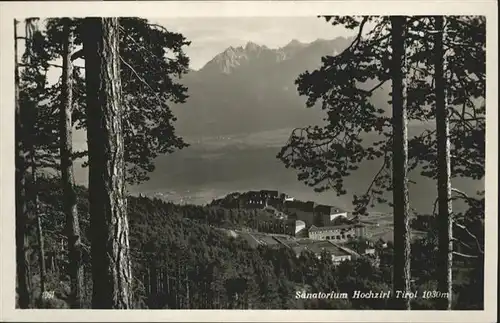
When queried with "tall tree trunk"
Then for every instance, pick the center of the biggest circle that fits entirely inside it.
(34, 184)
(169, 294)
(160, 281)
(37, 216)
(188, 297)
(149, 281)
(445, 257)
(41, 253)
(154, 280)
(51, 262)
(178, 299)
(111, 272)
(21, 238)
(67, 177)
(401, 278)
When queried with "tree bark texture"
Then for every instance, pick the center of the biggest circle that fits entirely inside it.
(67, 176)
(401, 273)
(445, 223)
(41, 253)
(21, 210)
(36, 214)
(111, 272)
(32, 125)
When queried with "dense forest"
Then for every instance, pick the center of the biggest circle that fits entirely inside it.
(98, 247)
(183, 258)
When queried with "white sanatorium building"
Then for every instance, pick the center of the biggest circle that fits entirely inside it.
(337, 233)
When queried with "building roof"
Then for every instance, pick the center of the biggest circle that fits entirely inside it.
(345, 249)
(317, 247)
(264, 239)
(314, 228)
(287, 241)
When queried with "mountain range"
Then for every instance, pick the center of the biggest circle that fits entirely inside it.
(251, 88)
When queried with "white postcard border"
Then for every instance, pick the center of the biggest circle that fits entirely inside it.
(11, 10)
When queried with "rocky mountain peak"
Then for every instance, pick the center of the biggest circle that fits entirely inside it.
(295, 43)
(251, 46)
(251, 53)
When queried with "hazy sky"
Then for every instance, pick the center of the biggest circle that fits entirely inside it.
(210, 36)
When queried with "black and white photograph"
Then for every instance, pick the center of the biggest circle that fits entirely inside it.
(323, 160)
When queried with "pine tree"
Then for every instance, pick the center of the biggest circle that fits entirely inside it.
(357, 131)
(30, 101)
(67, 178)
(401, 275)
(445, 259)
(22, 269)
(150, 83)
(111, 271)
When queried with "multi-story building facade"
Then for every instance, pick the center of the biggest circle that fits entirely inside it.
(251, 200)
(259, 199)
(337, 233)
(324, 221)
(272, 224)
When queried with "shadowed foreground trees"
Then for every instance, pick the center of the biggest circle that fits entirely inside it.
(401, 275)
(152, 62)
(356, 131)
(111, 272)
(151, 82)
(445, 226)
(67, 178)
(22, 268)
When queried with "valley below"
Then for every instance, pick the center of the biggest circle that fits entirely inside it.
(216, 166)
